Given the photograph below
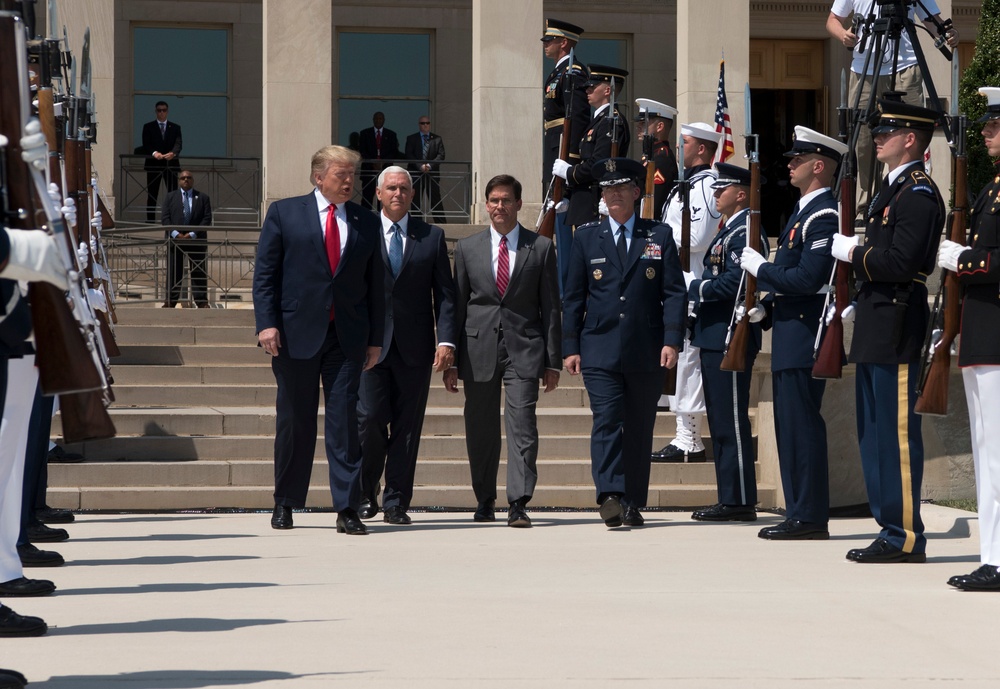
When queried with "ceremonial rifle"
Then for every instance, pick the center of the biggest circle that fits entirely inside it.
(547, 219)
(828, 351)
(738, 338)
(946, 318)
(646, 209)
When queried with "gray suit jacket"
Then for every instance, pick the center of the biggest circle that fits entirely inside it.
(528, 311)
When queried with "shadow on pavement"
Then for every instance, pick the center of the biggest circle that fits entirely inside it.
(164, 588)
(173, 679)
(162, 560)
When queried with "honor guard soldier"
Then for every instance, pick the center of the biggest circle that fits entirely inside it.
(624, 314)
(688, 401)
(566, 84)
(727, 394)
(902, 230)
(978, 269)
(653, 124)
(797, 282)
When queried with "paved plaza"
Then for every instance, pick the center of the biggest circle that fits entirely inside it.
(186, 601)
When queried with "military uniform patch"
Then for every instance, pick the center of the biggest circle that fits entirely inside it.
(652, 250)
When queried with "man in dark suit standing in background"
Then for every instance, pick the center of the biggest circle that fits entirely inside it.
(318, 298)
(161, 142)
(375, 144)
(426, 146)
(507, 306)
(187, 206)
(419, 292)
(625, 314)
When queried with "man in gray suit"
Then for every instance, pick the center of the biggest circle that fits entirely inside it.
(507, 313)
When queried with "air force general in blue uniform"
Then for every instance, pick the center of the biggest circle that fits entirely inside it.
(797, 281)
(624, 313)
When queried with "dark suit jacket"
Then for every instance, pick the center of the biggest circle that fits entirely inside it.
(153, 141)
(415, 151)
(201, 211)
(390, 144)
(528, 311)
(618, 317)
(293, 289)
(410, 313)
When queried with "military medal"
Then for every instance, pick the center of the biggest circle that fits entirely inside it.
(650, 273)
(791, 236)
(598, 274)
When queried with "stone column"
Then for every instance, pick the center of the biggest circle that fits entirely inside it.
(704, 29)
(298, 92)
(507, 100)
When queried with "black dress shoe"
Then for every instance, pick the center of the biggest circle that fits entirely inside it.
(369, 507)
(882, 551)
(12, 624)
(396, 515)
(726, 513)
(203, 305)
(12, 679)
(348, 522)
(39, 533)
(281, 518)
(27, 587)
(33, 557)
(611, 511)
(53, 515)
(672, 453)
(633, 517)
(485, 512)
(57, 455)
(517, 517)
(986, 578)
(795, 530)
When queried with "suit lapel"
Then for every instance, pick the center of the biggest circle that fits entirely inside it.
(414, 231)
(353, 220)
(316, 230)
(608, 245)
(638, 245)
(524, 248)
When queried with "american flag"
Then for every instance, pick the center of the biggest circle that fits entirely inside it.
(722, 123)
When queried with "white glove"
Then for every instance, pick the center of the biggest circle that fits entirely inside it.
(688, 279)
(842, 246)
(831, 312)
(97, 300)
(69, 211)
(848, 315)
(82, 256)
(751, 261)
(756, 313)
(602, 208)
(34, 256)
(34, 147)
(100, 273)
(560, 168)
(948, 254)
(562, 206)
(97, 222)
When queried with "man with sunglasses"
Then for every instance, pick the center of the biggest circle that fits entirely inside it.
(187, 207)
(161, 142)
(427, 148)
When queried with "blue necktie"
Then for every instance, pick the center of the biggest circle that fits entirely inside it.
(622, 246)
(187, 207)
(396, 250)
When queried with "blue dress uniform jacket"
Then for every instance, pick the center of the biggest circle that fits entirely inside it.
(596, 145)
(979, 275)
(618, 319)
(903, 229)
(802, 266)
(15, 321)
(727, 394)
(558, 86)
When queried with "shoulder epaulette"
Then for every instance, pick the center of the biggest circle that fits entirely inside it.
(589, 224)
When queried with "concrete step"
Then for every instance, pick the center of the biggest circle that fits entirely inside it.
(207, 334)
(160, 377)
(142, 313)
(261, 497)
(177, 355)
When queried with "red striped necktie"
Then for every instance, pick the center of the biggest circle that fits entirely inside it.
(503, 267)
(332, 242)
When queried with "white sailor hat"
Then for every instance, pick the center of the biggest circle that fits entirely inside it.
(652, 108)
(992, 94)
(806, 140)
(703, 131)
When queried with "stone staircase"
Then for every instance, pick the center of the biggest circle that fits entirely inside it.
(194, 411)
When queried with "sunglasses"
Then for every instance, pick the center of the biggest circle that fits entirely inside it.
(185, 177)
(161, 110)
(422, 123)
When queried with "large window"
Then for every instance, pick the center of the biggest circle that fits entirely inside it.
(387, 72)
(189, 69)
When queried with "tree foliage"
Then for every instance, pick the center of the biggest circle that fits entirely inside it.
(983, 70)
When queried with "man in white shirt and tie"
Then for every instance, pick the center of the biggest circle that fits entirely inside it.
(161, 142)
(428, 148)
(183, 208)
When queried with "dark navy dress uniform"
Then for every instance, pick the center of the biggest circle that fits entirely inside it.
(796, 279)
(666, 173)
(618, 318)
(727, 394)
(563, 80)
(902, 231)
(595, 146)
(979, 274)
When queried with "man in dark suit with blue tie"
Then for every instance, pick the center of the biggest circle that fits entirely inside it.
(428, 148)
(161, 142)
(318, 297)
(624, 314)
(419, 292)
(797, 282)
(191, 208)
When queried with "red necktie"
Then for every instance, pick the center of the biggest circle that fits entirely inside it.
(378, 143)
(332, 243)
(503, 267)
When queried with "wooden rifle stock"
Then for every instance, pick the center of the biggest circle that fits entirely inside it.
(547, 228)
(646, 208)
(735, 358)
(829, 364)
(932, 394)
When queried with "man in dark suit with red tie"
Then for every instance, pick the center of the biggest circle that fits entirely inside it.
(375, 144)
(161, 142)
(191, 208)
(419, 293)
(318, 299)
